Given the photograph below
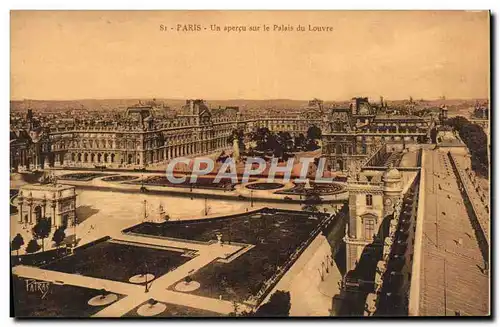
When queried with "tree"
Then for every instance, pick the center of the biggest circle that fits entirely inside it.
(476, 140)
(59, 236)
(17, 242)
(311, 145)
(42, 230)
(299, 141)
(314, 133)
(433, 135)
(312, 199)
(239, 135)
(32, 246)
(277, 306)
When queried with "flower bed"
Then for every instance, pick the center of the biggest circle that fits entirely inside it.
(119, 178)
(201, 182)
(318, 188)
(81, 176)
(264, 186)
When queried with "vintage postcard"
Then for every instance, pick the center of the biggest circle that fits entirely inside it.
(250, 164)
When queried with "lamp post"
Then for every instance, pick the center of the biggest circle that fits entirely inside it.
(75, 221)
(206, 208)
(146, 290)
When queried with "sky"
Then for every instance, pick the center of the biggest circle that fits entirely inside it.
(58, 55)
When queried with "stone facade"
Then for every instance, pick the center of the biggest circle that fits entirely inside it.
(372, 198)
(54, 201)
(351, 135)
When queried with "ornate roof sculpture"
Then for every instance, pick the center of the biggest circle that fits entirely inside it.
(391, 174)
(340, 121)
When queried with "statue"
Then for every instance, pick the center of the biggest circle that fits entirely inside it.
(219, 238)
(307, 185)
(397, 208)
(162, 215)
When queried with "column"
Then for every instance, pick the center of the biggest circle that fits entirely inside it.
(53, 205)
(75, 218)
(31, 213)
(20, 205)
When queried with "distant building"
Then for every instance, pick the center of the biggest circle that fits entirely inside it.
(142, 136)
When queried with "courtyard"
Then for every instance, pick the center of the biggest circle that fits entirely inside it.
(277, 236)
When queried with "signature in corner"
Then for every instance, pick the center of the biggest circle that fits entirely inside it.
(33, 286)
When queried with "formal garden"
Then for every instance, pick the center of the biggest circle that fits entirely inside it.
(316, 188)
(279, 144)
(202, 182)
(120, 262)
(34, 298)
(82, 176)
(119, 178)
(278, 236)
(264, 186)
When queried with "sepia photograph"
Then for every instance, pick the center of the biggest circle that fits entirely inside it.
(248, 164)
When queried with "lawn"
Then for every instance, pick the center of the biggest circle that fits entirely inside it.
(60, 301)
(118, 262)
(175, 310)
(276, 235)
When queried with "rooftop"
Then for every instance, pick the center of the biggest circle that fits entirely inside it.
(452, 276)
(44, 187)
